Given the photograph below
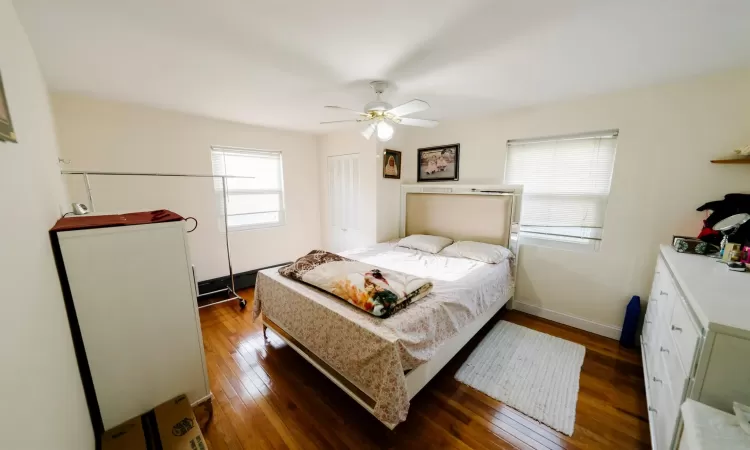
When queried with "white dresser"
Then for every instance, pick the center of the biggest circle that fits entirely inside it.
(130, 297)
(696, 340)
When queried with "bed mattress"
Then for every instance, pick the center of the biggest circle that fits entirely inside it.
(375, 353)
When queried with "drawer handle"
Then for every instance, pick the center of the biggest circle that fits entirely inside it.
(674, 328)
(662, 293)
(656, 380)
(665, 350)
(652, 409)
(648, 321)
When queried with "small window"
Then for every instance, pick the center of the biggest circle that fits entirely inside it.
(566, 181)
(255, 202)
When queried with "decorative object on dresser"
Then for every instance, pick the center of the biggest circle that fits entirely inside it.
(130, 297)
(6, 124)
(696, 336)
(730, 205)
(392, 164)
(438, 163)
(686, 244)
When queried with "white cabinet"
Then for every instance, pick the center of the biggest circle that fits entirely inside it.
(131, 302)
(695, 341)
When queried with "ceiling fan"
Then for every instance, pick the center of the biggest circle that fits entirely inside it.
(380, 114)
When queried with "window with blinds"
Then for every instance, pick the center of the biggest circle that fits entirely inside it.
(566, 181)
(253, 202)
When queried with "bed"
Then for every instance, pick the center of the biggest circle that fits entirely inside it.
(383, 363)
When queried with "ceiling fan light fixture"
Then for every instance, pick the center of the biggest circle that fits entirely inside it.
(385, 131)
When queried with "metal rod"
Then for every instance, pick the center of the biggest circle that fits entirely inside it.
(88, 191)
(147, 174)
(226, 233)
(213, 292)
(156, 174)
(606, 134)
(236, 297)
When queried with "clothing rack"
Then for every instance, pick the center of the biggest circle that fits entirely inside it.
(230, 290)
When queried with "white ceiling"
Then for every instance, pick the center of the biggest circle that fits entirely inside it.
(278, 62)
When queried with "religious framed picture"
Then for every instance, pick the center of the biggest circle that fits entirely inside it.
(438, 163)
(391, 164)
(6, 125)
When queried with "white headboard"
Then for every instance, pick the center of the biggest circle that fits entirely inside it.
(485, 213)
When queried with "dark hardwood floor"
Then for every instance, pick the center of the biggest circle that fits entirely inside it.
(267, 396)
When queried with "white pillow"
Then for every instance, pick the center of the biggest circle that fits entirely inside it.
(425, 242)
(479, 251)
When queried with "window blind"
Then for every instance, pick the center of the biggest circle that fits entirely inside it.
(251, 202)
(566, 182)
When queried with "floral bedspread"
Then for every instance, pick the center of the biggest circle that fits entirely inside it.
(372, 352)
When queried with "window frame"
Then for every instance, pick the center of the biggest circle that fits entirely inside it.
(227, 194)
(550, 239)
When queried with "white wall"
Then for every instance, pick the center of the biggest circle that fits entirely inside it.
(43, 400)
(111, 136)
(662, 173)
(388, 190)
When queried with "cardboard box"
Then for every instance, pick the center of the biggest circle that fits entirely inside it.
(169, 426)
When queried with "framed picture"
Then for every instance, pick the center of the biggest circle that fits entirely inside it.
(6, 125)
(392, 164)
(438, 163)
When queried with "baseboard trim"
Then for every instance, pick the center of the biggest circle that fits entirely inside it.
(242, 280)
(565, 319)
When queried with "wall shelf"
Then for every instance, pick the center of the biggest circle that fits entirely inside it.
(731, 161)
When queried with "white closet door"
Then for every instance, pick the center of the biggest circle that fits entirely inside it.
(343, 201)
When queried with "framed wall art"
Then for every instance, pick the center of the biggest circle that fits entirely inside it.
(392, 164)
(438, 163)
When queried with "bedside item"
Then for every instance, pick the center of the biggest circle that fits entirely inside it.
(696, 336)
(707, 428)
(736, 266)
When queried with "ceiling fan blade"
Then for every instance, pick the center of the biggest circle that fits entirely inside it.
(409, 108)
(418, 122)
(340, 121)
(367, 133)
(346, 109)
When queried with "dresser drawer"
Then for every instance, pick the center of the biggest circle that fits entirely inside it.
(684, 334)
(649, 325)
(667, 296)
(674, 372)
(666, 409)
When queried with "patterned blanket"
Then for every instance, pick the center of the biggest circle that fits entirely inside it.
(378, 291)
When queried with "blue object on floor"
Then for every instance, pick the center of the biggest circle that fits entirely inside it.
(630, 325)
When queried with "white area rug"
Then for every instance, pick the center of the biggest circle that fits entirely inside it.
(533, 372)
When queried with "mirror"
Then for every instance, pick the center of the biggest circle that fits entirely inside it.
(732, 222)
